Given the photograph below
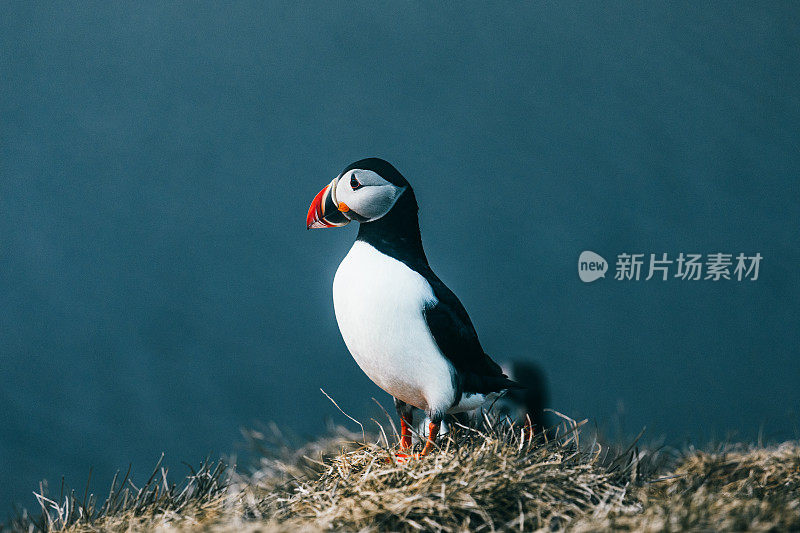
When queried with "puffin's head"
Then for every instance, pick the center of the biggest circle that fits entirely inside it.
(364, 191)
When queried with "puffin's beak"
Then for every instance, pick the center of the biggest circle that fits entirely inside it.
(324, 211)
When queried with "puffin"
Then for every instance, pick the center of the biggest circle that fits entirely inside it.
(404, 327)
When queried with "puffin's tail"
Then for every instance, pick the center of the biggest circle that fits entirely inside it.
(486, 384)
(513, 385)
(534, 397)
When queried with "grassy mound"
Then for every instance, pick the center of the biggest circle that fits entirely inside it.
(487, 478)
(735, 489)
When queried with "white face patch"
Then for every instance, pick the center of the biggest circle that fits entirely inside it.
(366, 193)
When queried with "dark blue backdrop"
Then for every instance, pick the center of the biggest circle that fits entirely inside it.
(159, 289)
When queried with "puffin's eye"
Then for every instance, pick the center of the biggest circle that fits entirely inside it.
(354, 183)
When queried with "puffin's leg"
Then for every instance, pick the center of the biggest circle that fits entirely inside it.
(406, 414)
(433, 432)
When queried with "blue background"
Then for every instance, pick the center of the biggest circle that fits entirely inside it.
(159, 289)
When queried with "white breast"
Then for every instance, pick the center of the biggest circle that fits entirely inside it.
(379, 304)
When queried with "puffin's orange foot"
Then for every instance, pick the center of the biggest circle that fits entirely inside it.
(405, 443)
(398, 457)
(401, 457)
(405, 435)
(433, 431)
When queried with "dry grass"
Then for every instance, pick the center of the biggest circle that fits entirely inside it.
(486, 478)
(734, 489)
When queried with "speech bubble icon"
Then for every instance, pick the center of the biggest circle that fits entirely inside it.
(591, 266)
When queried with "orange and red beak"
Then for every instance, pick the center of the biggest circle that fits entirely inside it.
(324, 211)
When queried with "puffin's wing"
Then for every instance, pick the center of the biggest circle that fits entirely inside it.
(456, 337)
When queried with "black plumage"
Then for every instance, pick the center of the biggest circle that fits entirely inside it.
(397, 235)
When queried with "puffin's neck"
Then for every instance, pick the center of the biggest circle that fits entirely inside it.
(396, 234)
